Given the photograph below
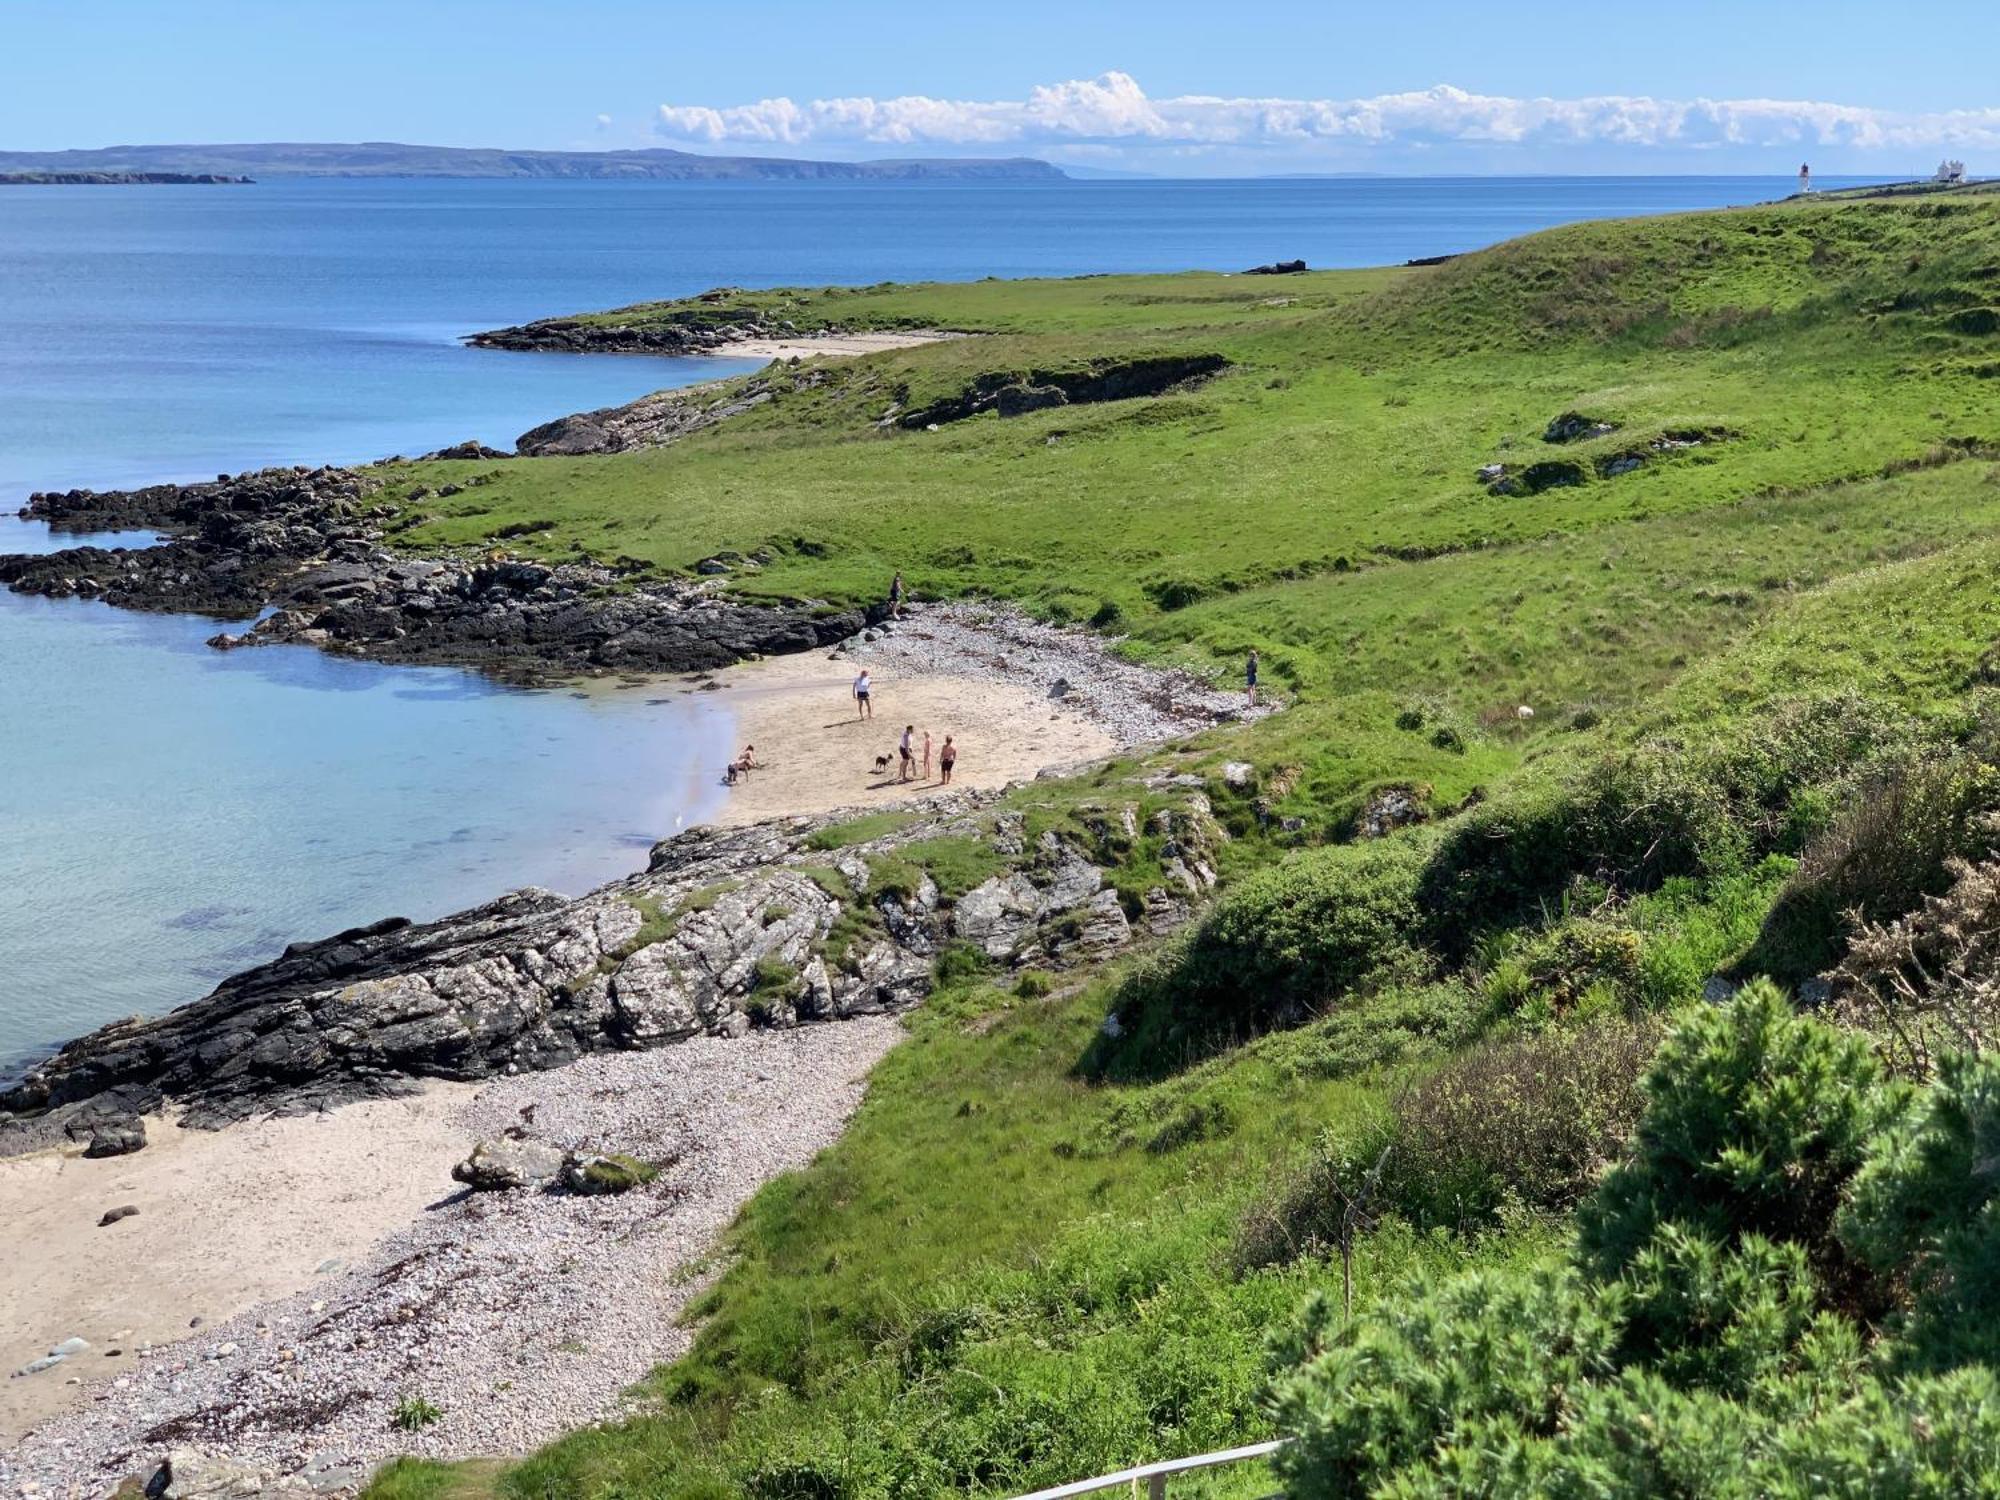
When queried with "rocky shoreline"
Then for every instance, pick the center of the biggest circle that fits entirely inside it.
(308, 546)
(726, 931)
(710, 325)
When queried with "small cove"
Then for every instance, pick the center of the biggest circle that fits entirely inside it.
(173, 814)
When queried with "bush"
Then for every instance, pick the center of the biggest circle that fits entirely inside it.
(1755, 1120)
(1382, 1395)
(1886, 849)
(1930, 981)
(1926, 1210)
(1532, 1121)
(1633, 820)
(1280, 947)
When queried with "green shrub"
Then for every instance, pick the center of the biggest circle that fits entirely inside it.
(1382, 1395)
(1755, 1120)
(959, 961)
(1925, 1209)
(1635, 819)
(1285, 944)
(1533, 1121)
(1721, 1318)
(414, 1413)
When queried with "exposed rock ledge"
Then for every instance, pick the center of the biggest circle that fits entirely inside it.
(702, 328)
(724, 931)
(309, 543)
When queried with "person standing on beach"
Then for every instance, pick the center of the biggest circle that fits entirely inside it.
(1250, 678)
(907, 747)
(896, 596)
(927, 755)
(864, 706)
(947, 758)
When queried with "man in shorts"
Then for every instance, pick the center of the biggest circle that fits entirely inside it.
(864, 707)
(907, 745)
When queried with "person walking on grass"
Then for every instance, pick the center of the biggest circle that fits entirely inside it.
(1250, 678)
(927, 755)
(907, 746)
(947, 758)
(864, 707)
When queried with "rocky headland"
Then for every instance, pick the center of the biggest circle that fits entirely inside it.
(302, 552)
(711, 324)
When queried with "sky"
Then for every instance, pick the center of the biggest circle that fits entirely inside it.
(1163, 86)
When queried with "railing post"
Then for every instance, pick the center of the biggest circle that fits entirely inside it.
(1156, 1487)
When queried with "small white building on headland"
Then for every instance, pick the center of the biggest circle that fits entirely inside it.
(1951, 170)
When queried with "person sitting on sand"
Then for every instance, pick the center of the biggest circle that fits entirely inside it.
(947, 758)
(927, 755)
(864, 708)
(907, 747)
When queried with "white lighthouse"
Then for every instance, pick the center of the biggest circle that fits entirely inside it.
(1805, 177)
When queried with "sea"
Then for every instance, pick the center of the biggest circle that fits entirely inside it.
(169, 814)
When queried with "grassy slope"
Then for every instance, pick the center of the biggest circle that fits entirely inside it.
(1005, 1276)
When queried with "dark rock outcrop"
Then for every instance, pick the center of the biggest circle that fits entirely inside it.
(1575, 427)
(1014, 392)
(308, 545)
(1278, 268)
(650, 422)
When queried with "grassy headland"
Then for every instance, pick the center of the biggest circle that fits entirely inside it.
(1749, 597)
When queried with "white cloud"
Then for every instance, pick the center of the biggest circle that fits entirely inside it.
(1113, 108)
(604, 122)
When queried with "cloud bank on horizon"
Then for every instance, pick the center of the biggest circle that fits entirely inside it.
(1112, 116)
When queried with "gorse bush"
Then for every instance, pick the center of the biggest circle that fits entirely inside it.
(1926, 1209)
(1531, 1121)
(1697, 1346)
(1755, 1120)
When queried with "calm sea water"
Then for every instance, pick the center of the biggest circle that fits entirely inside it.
(169, 814)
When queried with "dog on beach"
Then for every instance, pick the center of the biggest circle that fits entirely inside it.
(882, 765)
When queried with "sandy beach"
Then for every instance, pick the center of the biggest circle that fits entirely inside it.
(817, 754)
(836, 345)
(227, 1219)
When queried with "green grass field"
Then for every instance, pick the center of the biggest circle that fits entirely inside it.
(1020, 1267)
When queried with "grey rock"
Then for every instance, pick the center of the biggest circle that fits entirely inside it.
(36, 1366)
(503, 1165)
(1238, 775)
(113, 1215)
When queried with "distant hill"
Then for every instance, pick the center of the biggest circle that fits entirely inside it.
(388, 159)
(112, 179)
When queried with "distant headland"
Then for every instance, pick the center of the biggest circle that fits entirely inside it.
(389, 159)
(113, 179)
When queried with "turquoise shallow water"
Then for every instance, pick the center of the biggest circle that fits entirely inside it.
(169, 814)
(174, 814)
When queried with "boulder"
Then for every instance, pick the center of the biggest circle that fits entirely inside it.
(613, 1172)
(119, 1135)
(505, 1164)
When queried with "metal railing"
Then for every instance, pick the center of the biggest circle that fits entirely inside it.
(1156, 1475)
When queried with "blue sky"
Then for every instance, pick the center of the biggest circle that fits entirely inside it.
(1163, 86)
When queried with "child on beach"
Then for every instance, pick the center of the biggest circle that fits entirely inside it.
(740, 768)
(947, 758)
(863, 707)
(927, 755)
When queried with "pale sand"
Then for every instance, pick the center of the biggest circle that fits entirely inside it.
(816, 755)
(227, 1219)
(837, 345)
